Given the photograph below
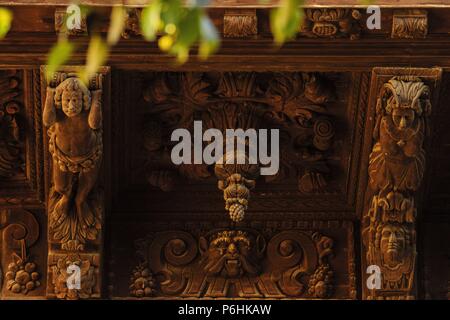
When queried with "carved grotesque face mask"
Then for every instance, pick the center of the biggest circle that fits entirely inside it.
(393, 243)
(72, 102)
(403, 118)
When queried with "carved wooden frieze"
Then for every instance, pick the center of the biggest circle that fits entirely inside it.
(396, 169)
(226, 263)
(240, 23)
(410, 24)
(294, 103)
(331, 23)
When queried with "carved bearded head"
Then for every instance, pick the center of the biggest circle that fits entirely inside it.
(72, 95)
(229, 254)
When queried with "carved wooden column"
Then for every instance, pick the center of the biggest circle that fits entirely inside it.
(396, 169)
(75, 200)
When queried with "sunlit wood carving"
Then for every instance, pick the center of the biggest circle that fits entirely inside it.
(410, 24)
(73, 115)
(396, 169)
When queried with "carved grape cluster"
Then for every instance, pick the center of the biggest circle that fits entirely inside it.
(143, 283)
(237, 212)
(22, 277)
(320, 283)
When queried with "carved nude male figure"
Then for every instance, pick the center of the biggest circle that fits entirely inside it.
(75, 121)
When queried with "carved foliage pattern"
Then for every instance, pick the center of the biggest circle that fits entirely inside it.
(295, 103)
(11, 141)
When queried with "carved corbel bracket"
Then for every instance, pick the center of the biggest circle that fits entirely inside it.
(73, 116)
(410, 24)
(396, 170)
(332, 23)
(78, 21)
(240, 23)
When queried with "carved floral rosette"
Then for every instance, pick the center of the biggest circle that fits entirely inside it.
(396, 169)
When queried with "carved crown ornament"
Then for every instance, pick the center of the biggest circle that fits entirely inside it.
(293, 103)
(396, 169)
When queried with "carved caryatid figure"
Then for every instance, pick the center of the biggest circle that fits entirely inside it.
(74, 117)
(398, 158)
(396, 168)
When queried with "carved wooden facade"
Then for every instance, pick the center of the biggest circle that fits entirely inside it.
(86, 177)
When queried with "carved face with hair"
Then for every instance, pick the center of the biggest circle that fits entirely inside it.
(228, 254)
(407, 100)
(394, 240)
(71, 96)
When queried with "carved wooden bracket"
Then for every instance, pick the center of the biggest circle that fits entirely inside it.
(73, 116)
(61, 19)
(240, 23)
(332, 23)
(396, 169)
(410, 24)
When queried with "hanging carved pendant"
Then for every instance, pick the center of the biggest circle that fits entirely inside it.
(293, 103)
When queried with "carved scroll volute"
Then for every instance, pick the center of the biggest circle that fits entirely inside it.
(396, 170)
(19, 231)
(74, 118)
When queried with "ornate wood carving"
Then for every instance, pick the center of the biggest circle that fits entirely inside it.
(89, 265)
(410, 24)
(235, 263)
(240, 23)
(73, 116)
(332, 23)
(11, 138)
(396, 169)
(20, 231)
(60, 20)
(295, 103)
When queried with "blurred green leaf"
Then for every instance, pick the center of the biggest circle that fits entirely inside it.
(117, 24)
(97, 55)
(58, 56)
(285, 20)
(188, 34)
(209, 37)
(151, 20)
(6, 17)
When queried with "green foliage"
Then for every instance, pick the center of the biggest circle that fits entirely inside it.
(5, 21)
(58, 56)
(179, 28)
(285, 20)
(117, 24)
(97, 55)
